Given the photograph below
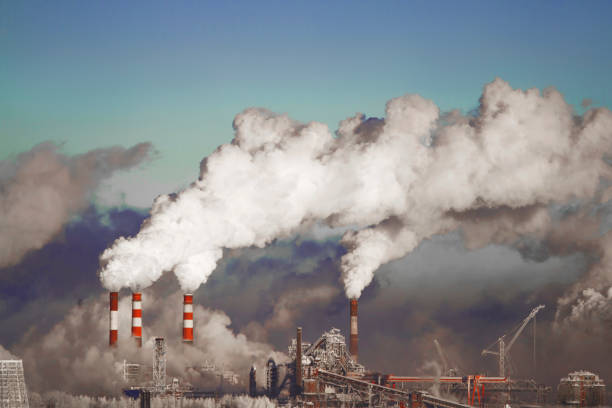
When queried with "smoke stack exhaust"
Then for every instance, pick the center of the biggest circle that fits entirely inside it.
(298, 361)
(137, 318)
(113, 319)
(354, 345)
(188, 318)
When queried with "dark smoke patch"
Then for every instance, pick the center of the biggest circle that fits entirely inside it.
(38, 292)
(42, 189)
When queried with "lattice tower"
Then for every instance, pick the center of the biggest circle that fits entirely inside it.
(13, 392)
(159, 365)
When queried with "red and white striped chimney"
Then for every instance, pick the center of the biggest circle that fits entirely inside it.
(137, 318)
(114, 319)
(188, 318)
(354, 343)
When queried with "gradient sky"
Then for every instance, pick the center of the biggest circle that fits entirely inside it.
(93, 74)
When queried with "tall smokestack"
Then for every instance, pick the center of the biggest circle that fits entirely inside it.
(298, 361)
(114, 319)
(137, 318)
(188, 318)
(354, 345)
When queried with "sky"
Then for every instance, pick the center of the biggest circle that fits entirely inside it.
(106, 105)
(87, 75)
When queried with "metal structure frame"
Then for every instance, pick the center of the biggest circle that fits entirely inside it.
(13, 393)
(504, 349)
(159, 365)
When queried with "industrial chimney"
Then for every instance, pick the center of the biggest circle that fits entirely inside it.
(137, 318)
(114, 319)
(298, 361)
(188, 318)
(354, 345)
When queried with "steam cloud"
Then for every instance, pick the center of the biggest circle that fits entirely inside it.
(394, 182)
(41, 189)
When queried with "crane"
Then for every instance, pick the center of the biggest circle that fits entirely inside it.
(446, 369)
(442, 356)
(504, 349)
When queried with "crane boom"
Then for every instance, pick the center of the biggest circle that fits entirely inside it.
(504, 349)
(525, 321)
(442, 356)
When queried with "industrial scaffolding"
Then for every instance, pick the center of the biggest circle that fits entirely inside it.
(13, 392)
(159, 365)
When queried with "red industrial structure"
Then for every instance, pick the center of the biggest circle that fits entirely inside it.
(137, 318)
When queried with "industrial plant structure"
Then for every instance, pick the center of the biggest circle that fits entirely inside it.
(582, 388)
(13, 393)
(326, 372)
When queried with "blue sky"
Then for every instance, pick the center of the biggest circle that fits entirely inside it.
(93, 74)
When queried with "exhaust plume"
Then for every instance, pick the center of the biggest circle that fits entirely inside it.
(393, 181)
(41, 189)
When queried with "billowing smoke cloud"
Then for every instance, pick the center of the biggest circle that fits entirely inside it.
(6, 355)
(83, 363)
(395, 181)
(592, 311)
(41, 189)
(290, 304)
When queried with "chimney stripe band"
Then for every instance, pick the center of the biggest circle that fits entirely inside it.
(114, 320)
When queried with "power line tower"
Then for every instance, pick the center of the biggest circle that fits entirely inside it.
(12, 385)
(159, 365)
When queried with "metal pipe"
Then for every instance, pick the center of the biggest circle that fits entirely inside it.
(354, 340)
(298, 361)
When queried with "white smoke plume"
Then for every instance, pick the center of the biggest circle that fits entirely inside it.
(593, 310)
(41, 189)
(74, 355)
(394, 181)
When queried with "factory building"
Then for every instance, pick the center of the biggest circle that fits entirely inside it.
(582, 388)
(328, 353)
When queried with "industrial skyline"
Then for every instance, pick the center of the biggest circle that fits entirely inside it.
(207, 165)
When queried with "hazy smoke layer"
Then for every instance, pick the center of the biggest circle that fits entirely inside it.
(63, 400)
(6, 355)
(42, 188)
(83, 363)
(396, 181)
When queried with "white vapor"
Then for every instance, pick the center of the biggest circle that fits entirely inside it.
(41, 189)
(394, 181)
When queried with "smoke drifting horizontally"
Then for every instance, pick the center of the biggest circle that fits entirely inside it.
(394, 181)
(41, 189)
